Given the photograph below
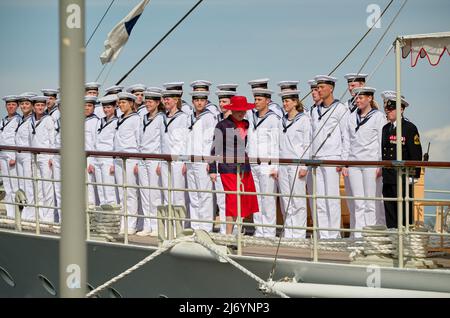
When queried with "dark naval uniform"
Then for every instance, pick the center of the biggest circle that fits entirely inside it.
(411, 150)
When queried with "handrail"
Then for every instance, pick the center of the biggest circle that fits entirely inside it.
(250, 160)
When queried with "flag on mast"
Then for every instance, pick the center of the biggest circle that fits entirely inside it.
(119, 35)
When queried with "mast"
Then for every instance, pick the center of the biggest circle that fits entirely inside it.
(72, 248)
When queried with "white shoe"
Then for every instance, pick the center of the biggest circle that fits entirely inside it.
(143, 233)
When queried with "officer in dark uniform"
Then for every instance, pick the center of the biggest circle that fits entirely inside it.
(411, 150)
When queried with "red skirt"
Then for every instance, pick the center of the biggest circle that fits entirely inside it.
(249, 202)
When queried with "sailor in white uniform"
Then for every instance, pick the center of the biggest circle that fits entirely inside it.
(42, 135)
(263, 142)
(354, 80)
(114, 90)
(363, 141)
(294, 143)
(174, 134)
(90, 133)
(8, 128)
(92, 89)
(57, 169)
(178, 86)
(23, 159)
(199, 143)
(316, 102)
(127, 140)
(202, 85)
(150, 142)
(329, 126)
(104, 141)
(138, 91)
(224, 99)
(52, 105)
(263, 83)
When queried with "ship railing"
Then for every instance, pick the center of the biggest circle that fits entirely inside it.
(172, 221)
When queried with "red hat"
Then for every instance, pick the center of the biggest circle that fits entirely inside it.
(239, 103)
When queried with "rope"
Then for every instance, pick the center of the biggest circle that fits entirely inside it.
(159, 42)
(98, 24)
(332, 111)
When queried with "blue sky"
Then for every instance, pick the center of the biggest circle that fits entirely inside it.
(236, 41)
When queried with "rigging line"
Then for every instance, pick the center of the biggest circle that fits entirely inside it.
(109, 71)
(98, 24)
(297, 168)
(159, 42)
(101, 72)
(355, 46)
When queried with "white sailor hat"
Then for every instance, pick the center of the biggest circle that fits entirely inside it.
(50, 92)
(174, 86)
(26, 96)
(225, 94)
(201, 84)
(152, 95)
(325, 79)
(228, 87)
(391, 96)
(364, 91)
(10, 98)
(91, 99)
(127, 96)
(312, 83)
(171, 93)
(114, 89)
(92, 85)
(108, 99)
(355, 77)
(199, 94)
(259, 83)
(289, 94)
(292, 85)
(136, 88)
(262, 92)
(39, 99)
(154, 89)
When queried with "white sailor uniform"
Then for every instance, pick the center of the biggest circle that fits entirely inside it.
(104, 141)
(328, 120)
(98, 111)
(90, 133)
(55, 113)
(23, 165)
(150, 142)
(276, 108)
(174, 132)
(263, 142)
(199, 143)
(294, 143)
(142, 110)
(57, 168)
(363, 140)
(7, 138)
(220, 197)
(43, 136)
(127, 140)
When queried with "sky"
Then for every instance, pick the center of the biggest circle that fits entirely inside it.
(237, 41)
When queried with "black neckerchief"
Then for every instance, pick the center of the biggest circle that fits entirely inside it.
(105, 122)
(285, 121)
(122, 119)
(35, 124)
(256, 124)
(58, 126)
(167, 124)
(352, 104)
(311, 110)
(194, 119)
(23, 120)
(6, 121)
(90, 117)
(360, 121)
(147, 120)
(329, 108)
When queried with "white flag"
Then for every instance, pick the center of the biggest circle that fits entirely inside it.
(120, 33)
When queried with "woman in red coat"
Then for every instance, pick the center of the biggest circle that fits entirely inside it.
(230, 139)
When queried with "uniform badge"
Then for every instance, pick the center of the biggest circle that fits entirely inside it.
(416, 139)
